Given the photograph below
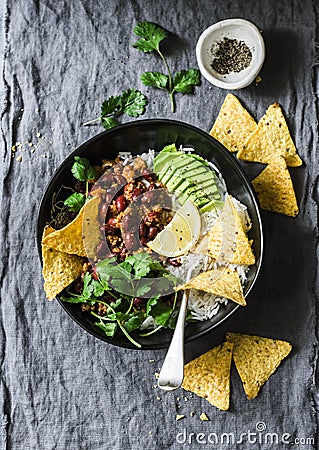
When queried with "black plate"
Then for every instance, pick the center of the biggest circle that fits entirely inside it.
(137, 137)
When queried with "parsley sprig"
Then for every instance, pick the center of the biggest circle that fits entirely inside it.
(151, 35)
(131, 102)
(134, 276)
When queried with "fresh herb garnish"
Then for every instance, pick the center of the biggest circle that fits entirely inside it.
(75, 202)
(134, 276)
(131, 102)
(82, 171)
(151, 35)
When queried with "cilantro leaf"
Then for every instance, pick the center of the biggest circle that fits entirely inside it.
(98, 288)
(134, 322)
(75, 201)
(142, 287)
(185, 80)
(151, 35)
(155, 79)
(111, 106)
(109, 328)
(73, 299)
(150, 303)
(161, 312)
(133, 102)
(82, 170)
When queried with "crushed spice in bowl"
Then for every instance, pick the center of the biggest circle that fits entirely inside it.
(230, 53)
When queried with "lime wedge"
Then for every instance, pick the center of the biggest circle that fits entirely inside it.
(180, 235)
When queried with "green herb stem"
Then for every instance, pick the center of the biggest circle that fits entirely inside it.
(128, 336)
(170, 81)
(92, 121)
(101, 317)
(152, 332)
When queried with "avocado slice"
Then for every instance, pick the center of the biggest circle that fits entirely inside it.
(169, 153)
(216, 204)
(178, 166)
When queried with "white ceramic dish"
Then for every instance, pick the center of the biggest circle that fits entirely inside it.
(239, 29)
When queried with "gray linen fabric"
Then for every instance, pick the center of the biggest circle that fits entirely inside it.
(63, 389)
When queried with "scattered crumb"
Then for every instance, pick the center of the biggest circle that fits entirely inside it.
(178, 406)
(179, 416)
(192, 414)
(14, 149)
(38, 135)
(21, 109)
(203, 417)
(258, 79)
(150, 432)
(157, 375)
(186, 399)
(30, 144)
(19, 158)
(158, 398)
(151, 360)
(178, 399)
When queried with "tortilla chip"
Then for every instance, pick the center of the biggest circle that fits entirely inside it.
(233, 125)
(223, 282)
(208, 376)
(80, 236)
(256, 358)
(59, 269)
(271, 137)
(227, 239)
(275, 190)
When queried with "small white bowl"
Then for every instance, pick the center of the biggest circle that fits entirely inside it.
(238, 29)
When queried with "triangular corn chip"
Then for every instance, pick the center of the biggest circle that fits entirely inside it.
(227, 239)
(233, 125)
(256, 358)
(223, 282)
(59, 269)
(80, 236)
(275, 190)
(271, 137)
(208, 376)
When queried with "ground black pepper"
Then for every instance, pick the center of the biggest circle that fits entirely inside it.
(230, 55)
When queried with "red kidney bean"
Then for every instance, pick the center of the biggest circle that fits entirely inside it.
(136, 193)
(173, 262)
(112, 222)
(143, 229)
(148, 175)
(108, 198)
(139, 302)
(110, 230)
(152, 232)
(144, 241)
(151, 187)
(103, 211)
(120, 203)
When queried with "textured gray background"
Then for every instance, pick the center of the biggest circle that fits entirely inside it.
(63, 389)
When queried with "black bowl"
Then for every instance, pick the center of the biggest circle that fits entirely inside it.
(137, 137)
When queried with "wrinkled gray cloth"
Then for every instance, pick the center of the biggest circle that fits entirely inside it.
(62, 388)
